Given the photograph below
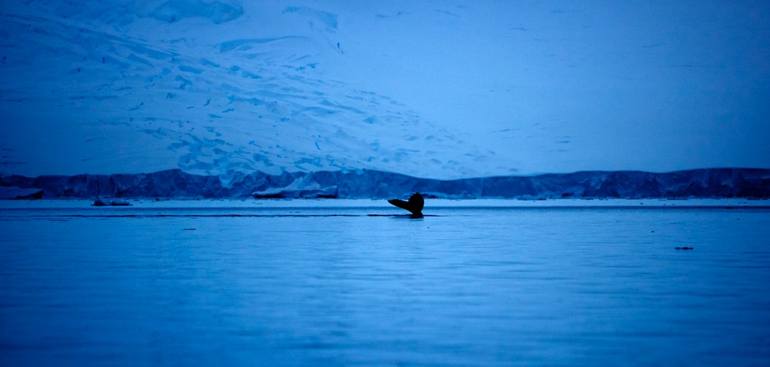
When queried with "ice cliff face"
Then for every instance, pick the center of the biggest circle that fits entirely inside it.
(210, 87)
(704, 183)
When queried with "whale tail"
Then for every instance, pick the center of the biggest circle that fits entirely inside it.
(414, 205)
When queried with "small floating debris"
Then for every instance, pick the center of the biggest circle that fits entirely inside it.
(189, 229)
(100, 202)
(684, 248)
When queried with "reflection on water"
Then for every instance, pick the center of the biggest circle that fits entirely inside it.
(330, 286)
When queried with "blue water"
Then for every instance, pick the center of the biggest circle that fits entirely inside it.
(334, 286)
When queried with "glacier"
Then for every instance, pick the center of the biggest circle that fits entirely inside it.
(445, 89)
(208, 87)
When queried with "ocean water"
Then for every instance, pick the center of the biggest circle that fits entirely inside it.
(329, 286)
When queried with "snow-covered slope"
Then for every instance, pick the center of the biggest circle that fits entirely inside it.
(210, 87)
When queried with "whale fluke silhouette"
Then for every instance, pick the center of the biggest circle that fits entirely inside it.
(414, 205)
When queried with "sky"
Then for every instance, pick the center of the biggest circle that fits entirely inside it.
(459, 88)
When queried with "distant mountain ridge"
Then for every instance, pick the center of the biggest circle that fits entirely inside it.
(696, 183)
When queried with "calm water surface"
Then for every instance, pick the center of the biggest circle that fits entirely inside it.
(334, 286)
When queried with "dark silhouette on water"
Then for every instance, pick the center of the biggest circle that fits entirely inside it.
(414, 205)
(100, 202)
